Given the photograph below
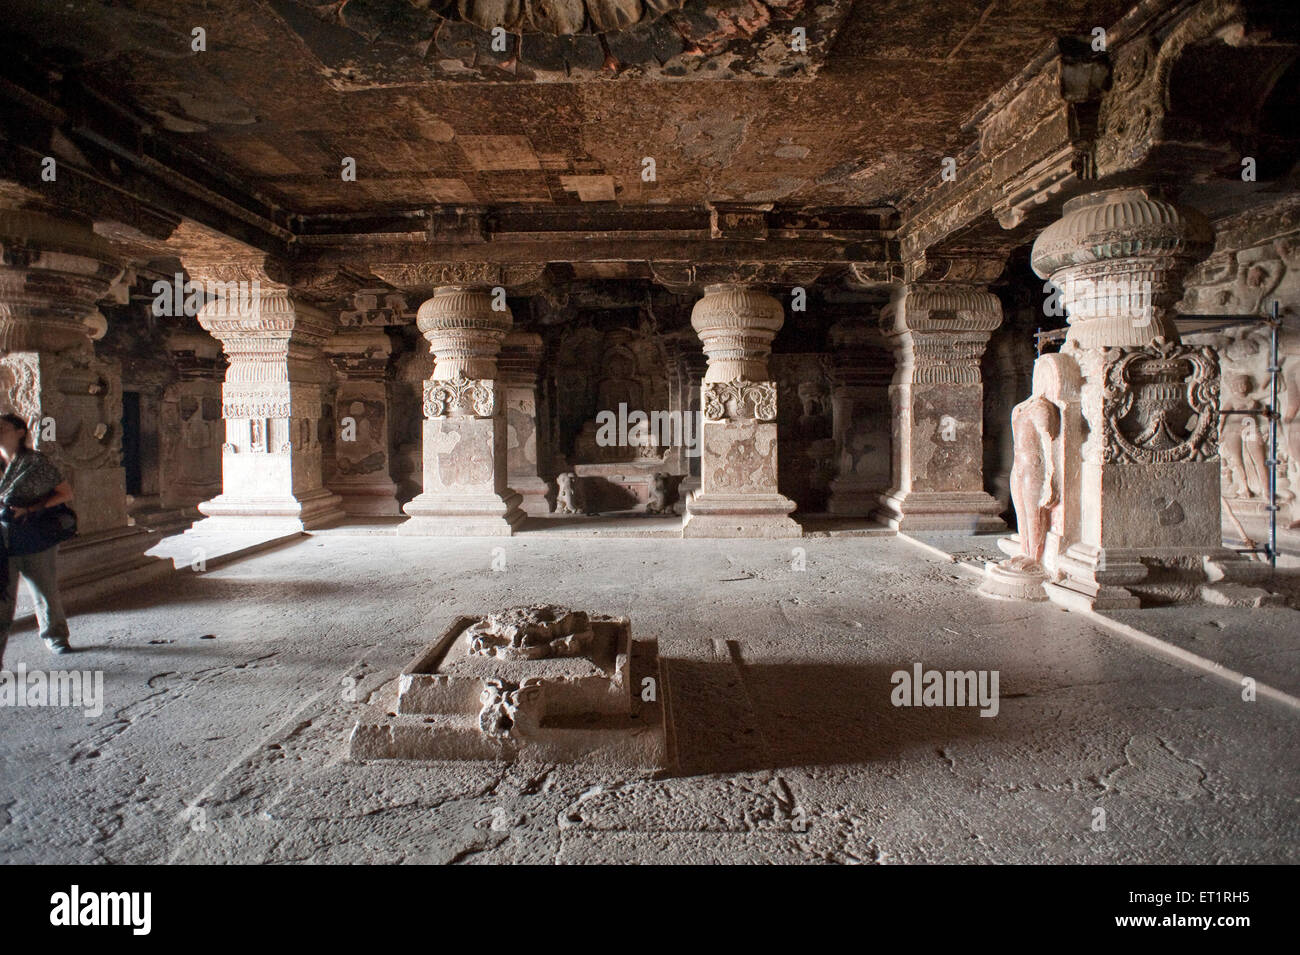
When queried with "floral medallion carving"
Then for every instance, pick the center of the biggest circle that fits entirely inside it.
(1160, 404)
(739, 399)
(461, 396)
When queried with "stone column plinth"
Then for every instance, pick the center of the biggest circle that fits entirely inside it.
(190, 422)
(861, 369)
(939, 332)
(520, 358)
(738, 494)
(361, 476)
(271, 401)
(53, 270)
(466, 488)
(1145, 518)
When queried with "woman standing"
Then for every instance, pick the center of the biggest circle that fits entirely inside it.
(30, 483)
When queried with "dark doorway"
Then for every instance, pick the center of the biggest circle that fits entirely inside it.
(131, 440)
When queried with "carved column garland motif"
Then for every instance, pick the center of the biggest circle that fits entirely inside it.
(1160, 404)
(739, 399)
(460, 396)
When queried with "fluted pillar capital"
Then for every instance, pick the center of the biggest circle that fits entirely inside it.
(52, 272)
(736, 324)
(1118, 258)
(465, 332)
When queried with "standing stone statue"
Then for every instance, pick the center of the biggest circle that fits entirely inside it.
(1035, 426)
(1036, 487)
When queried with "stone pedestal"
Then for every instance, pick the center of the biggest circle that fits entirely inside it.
(521, 354)
(1138, 511)
(939, 333)
(271, 402)
(52, 272)
(466, 490)
(543, 682)
(361, 476)
(738, 494)
(861, 369)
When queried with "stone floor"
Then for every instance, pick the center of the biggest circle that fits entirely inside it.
(229, 690)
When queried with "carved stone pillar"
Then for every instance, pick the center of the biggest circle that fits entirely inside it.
(52, 272)
(939, 332)
(191, 425)
(861, 369)
(738, 494)
(361, 476)
(1146, 514)
(466, 487)
(271, 400)
(521, 355)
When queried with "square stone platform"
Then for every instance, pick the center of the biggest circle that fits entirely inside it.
(580, 699)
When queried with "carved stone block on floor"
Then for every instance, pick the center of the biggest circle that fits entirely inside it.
(539, 682)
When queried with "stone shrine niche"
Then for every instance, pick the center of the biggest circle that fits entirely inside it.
(807, 462)
(620, 370)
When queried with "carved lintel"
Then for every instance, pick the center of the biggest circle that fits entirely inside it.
(424, 275)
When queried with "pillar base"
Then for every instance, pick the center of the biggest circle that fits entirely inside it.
(972, 512)
(486, 515)
(311, 510)
(1090, 578)
(740, 515)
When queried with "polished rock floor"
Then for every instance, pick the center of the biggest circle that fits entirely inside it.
(231, 693)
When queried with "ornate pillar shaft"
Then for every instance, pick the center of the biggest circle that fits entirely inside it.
(53, 270)
(520, 358)
(1135, 484)
(271, 401)
(466, 489)
(738, 494)
(862, 366)
(361, 476)
(939, 332)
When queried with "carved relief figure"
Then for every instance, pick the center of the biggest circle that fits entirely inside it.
(1236, 396)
